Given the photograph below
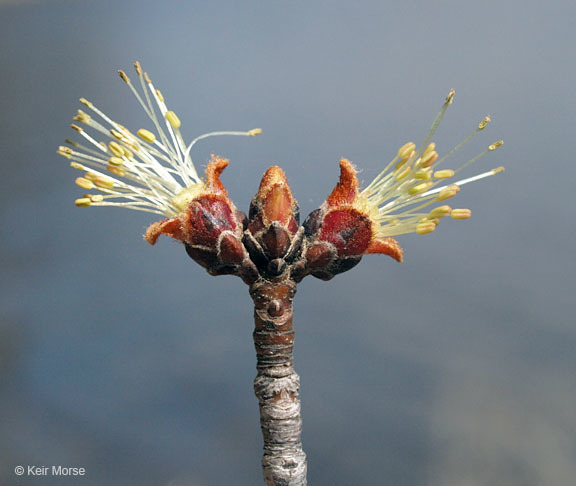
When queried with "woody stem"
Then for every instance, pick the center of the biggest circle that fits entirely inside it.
(277, 384)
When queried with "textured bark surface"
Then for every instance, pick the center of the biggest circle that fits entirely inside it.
(277, 384)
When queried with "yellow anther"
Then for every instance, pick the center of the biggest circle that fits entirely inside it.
(83, 202)
(461, 213)
(448, 192)
(76, 165)
(138, 68)
(484, 122)
(429, 159)
(82, 117)
(119, 171)
(441, 212)
(71, 142)
(65, 150)
(84, 183)
(85, 102)
(116, 149)
(425, 228)
(419, 188)
(443, 174)
(158, 93)
(423, 174)
(406, 149)
(402, 172)
(76, 127)
(254, 132)
(116, 134)
(146, 135)
(147, 78)
(115, 161)
(497, 170)
(125, 78)
(172, 119)
(400, 164)
(495, 145)
(450, 97)
(64, 154)
(429, 149)
(95, 198)
(103, 183)
(127, 153)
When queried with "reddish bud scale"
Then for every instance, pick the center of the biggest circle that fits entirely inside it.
(272, 238)
(348, 230)
(208, 217)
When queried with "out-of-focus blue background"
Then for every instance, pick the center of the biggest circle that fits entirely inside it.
(455, 367)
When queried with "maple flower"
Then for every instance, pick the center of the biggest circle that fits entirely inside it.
(150, 170)
(353, 222)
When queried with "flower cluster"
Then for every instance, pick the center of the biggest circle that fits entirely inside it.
(353, 222)
(152, 171)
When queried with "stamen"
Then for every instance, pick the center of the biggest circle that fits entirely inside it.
(443, 174)
(484, 123)
(152, 166)
(461, 213)
(448, 192)
(122, 75)
(406, 150)
(83, 202)
(441, 212)
(495, 145)
(146, 135)
(116, 149)
(84, 183)
(425, 228)
(173, 119)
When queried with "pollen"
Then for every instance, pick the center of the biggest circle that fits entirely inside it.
(116, 170)
(495, 145)
(443, 174)
(82, 117)
(428, 159)
(115, 161)
(116, 149)
(84, 183)
(83, 202)
(116, 134)
(461, 214)
(123, 76)
(145, 170)
(406, 150)
(425, 228)
(173, 119)
(398, 197)
(146, 135)
(441, 212)
(448, 192)
(419, 188)
(484, 123)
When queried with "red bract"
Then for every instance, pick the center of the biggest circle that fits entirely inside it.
(342, 230)
(209, 224)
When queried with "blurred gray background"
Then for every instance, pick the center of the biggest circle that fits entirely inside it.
(456, 367)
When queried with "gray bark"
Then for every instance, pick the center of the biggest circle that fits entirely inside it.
(277, 384)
